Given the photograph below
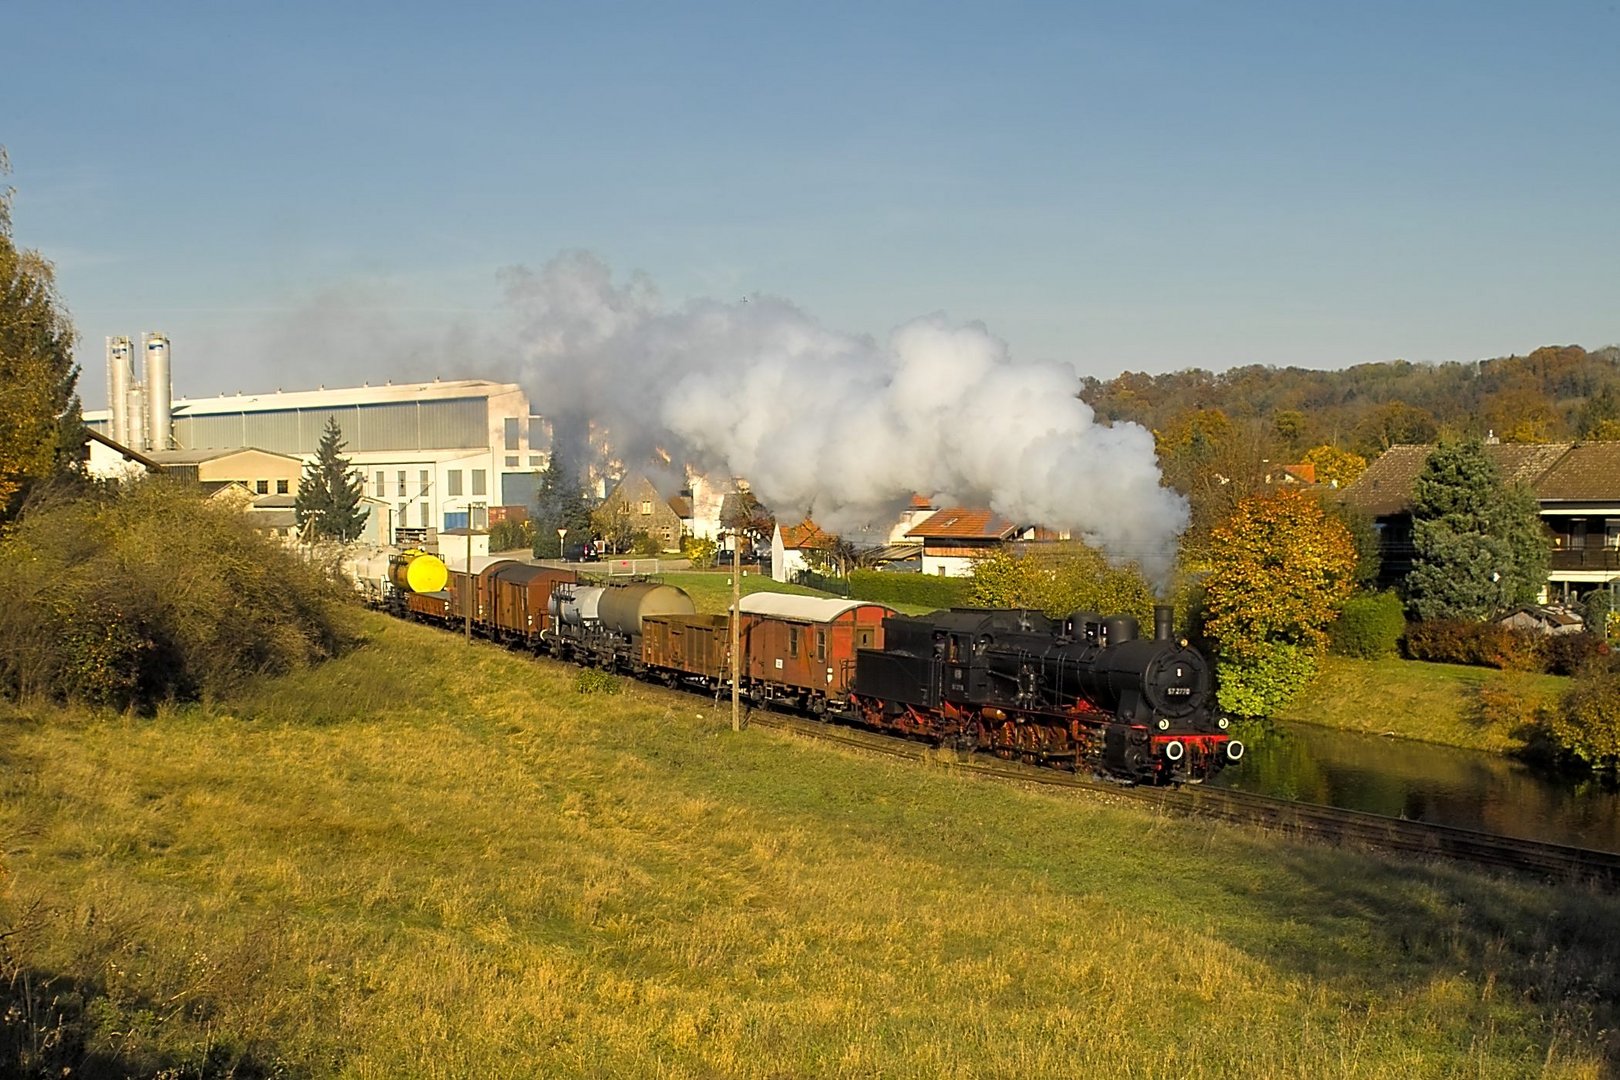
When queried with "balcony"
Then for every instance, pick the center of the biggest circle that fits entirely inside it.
(1593, 558)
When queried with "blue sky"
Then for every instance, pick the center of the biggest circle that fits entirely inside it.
(1143, 186)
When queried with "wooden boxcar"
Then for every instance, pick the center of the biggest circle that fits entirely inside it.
(520, 597)
(803, 647)
(689, 648)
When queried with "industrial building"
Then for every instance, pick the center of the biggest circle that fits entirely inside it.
(429, 452)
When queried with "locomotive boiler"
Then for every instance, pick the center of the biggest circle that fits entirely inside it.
(1081, 691)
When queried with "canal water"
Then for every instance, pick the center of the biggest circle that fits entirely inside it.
(1440, 784)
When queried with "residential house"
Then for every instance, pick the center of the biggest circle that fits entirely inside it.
(1576, 484)
(791, 546)
(953, 537)
(645, 510)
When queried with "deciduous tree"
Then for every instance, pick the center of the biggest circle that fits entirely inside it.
(41, 433)
(1279, 569)
(1335, 467)
(328, 503)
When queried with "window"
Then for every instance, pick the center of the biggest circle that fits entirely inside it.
(453, 478)
(821, 645)
(424, 507)
(511, 433)
(261, 487)
(403, 521)
(793, 641)
(379, 492)
(536, 463)
(281, 487)
(426, 483)
(478, 482)
(646, 508)
(511, 461)
(402, 483)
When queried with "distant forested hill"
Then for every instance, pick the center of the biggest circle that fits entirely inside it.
(1557, 392)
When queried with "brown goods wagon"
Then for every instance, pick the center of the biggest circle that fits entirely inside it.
(692, 645)
(808, 643)
(432, 606)
(487, 613)
(522, 593)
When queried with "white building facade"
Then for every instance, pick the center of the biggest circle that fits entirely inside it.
(428, 451)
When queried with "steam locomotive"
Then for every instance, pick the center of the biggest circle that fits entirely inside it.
(1084, 692)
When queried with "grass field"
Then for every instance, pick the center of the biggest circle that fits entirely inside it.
(441, 860)
(1438, 703)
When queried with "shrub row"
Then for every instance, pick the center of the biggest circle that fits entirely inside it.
(1448, 641)
(153, 594)
(887, 587)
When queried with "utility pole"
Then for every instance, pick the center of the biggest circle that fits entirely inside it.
(736, 629)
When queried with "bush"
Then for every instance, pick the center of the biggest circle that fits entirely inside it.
(151, 594)
(1455, 641)
(1568, 654)
(1264, 680)
(1498, 700)
(1586, 725)
(1595, 610)
(700, 551)
(1369, 626)
(511, 535)
(923, 590)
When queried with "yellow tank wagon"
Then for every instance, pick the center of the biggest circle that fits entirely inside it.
(417, 572)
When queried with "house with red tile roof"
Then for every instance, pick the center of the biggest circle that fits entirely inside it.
(953, 537)
(791, 545)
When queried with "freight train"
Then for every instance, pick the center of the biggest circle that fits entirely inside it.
(1083, 692)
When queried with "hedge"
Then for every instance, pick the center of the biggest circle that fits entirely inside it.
(924, 590)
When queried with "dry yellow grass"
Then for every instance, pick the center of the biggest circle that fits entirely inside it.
(441, 861)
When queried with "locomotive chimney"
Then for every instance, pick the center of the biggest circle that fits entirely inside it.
(1163, 622)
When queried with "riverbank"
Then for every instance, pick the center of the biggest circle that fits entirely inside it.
(1468, 707)
(430, 858)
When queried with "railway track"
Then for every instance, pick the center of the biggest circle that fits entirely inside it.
(1554, 862)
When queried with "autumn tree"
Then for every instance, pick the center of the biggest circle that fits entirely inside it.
(1060, 579)
(328, 503)
(1338, 468)
(612, 523)
(745, 513)
(1279, 569)
(41, 431)
(1479, 544)
(1213, 461)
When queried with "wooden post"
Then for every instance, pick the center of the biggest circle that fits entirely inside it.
(736, 631)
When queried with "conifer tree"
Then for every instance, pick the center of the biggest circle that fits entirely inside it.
(328, 503)
(559, 504)
(1479, 544)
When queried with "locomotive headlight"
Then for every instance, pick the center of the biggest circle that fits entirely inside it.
(1164, 724)
(1234, 750)
(1174, 750)
(1223, 723)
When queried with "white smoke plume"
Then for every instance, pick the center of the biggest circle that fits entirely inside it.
(834, 425)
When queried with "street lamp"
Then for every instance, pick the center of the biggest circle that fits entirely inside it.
(561, 555)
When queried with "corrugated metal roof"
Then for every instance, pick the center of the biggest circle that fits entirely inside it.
(960, 522)
(805, 608)
(339, 397)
